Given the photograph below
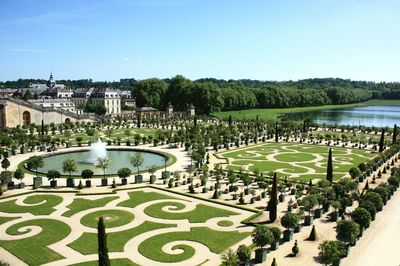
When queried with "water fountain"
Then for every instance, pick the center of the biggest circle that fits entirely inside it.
(97, 150)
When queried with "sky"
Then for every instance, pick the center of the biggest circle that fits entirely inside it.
(227, 39)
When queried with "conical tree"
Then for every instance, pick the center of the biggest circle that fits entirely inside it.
(382, 141)
(329, 169)
(313, 234)
(276, 133)
(274, 262)
(273, 202)
(394, 134)
(366, 186)
(102, 241)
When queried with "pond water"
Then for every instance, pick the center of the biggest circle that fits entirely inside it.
(118, 160)
(378, 116)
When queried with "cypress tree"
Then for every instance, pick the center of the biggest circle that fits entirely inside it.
(276, 133)
(382, 141)
(274, 262)
(329, 169)
(313, 234)
(304, 126)
(273, 201)
(139, 120)
(102, 241)
(394, 134)
(230, 120)
(195, 121)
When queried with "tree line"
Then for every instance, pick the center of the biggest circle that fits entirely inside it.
(213, 95)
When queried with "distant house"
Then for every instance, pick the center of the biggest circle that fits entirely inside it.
(63, 104)
(105, 96)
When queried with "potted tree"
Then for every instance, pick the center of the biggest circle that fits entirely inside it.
(335, 214)
(289, 221)
(203, 181)
(347, 231)
(69, 165)
(52, 175)
(362, 217)
(262, 236)
(79, 141)
(35, 162)
(276, 231)
(19, 175)
(309, 203)
(87, 174)
(137, 161)
(103, 164)
(244, 254)
(153, 178)
(330, 252)
(123, 173)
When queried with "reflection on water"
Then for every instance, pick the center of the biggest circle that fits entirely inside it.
(378, 116)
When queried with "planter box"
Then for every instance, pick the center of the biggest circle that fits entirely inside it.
(138, 179)
(252, 200)
(234, 197)
(88, 183)
(281, 198)
(21, 185)
(297, 229)
(334, 216)
(124, 181)
(261, 255)
(53, 183)
(287, 235)
(165, 174)
(308, 220)
(70, 182)
(289, 208)
(326, 206)
(318, 213)
(275, 245)
(104, 182)
(246, 191)
(204, 190)
(152, 179)
(263, 194)
(68, 145)
(22, 150)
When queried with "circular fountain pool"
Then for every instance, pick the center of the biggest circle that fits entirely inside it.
(119, 158)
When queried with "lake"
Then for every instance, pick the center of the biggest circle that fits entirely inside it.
(378, 116)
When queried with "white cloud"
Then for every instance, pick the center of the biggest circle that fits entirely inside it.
(26, 50)
(125, 59)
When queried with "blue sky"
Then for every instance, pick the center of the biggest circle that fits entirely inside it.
(266, 40)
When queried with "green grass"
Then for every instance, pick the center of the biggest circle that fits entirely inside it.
(87, 243)
(113, 262)
(225, 223)
(200, 214)
(34, 250)
(112, 218)
(7, 219)
(79, 205)
(216, 241)
(45, 208)
(294, 159)
(272, 114)
(139, 197)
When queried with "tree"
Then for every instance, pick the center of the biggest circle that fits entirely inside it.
(295, 248)
(329, 169)
(276, 133)
(362, 217)
(35, 162)
(347, 231)
(382, 141)
(273, 202)
(276, 232)
(69, 165)
(229, 258)
(103, 164)
(354, 172)
(274, 263)
(289, 220)
(313, 234)
(87, 174)
(53, 175)
(375, 198)
(102, 243)
(262, 236)
(394, 134)
(5, 163)
(124, 172)
(309, 202)
(19, 174)
(243, 253)
(137, 161)
(28, 95)
(330, 252)
(150, 92)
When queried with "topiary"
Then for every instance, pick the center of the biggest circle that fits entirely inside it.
(274, 262)
(80, 186)
(313, 234)
(216, 194)
(244, 253)
(295, 249)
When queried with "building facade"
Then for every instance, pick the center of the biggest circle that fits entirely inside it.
(105, 96)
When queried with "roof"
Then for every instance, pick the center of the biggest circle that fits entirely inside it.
(147, 109)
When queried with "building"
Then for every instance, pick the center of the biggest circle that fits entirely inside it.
(63, 104)
(105, 96)
(147, 111)
(14, 112)
(126, 99)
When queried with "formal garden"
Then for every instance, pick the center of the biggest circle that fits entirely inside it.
(223, 191)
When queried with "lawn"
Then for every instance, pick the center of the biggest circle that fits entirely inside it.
(216, 241)
(296, 160)
(272, 114)
(43, 226)
(113, 262)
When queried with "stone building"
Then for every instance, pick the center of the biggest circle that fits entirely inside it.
(14, 112)
(105, 96)
(63, 104)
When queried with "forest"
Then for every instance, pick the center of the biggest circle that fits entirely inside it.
(212, 95)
